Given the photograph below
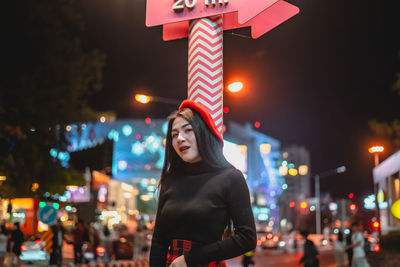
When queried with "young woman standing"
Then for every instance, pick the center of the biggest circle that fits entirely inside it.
(200, 194)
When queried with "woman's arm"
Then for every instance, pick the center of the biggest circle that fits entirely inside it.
(244, 239)
(159, 243)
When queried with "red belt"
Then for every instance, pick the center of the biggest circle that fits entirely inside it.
(178, 247)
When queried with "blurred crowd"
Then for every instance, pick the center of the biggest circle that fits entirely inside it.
(90, 243)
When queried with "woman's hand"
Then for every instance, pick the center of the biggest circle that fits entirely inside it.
(179, 262)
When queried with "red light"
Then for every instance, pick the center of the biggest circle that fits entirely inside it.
(148, 120)
(292, 204)
(23, 247)
(351, 195)
(225, 110)
(375, 224)
(37, 240)
(303, 205)
(138, 136)
(269, 236)
(100, 250)
(223, 129)
(353, 207)
(377, 248)
(257, 124)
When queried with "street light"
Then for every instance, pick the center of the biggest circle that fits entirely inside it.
(376, 150)
(338, 170)
(235, 87)
(145, 99)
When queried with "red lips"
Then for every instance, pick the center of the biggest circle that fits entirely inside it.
(183, 148)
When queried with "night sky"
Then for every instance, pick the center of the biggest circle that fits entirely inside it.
(315, 80)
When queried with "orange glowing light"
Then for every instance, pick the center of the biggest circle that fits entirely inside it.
(376, 149)
(235, 87)
(144, 99)
(377, 248)
(375, 224)
(353, 207)
(303, 205)
(292, 204)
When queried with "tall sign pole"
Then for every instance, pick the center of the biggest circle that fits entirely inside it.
(204, 21)
(205, 66)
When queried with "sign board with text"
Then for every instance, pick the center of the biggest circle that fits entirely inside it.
(260, 15)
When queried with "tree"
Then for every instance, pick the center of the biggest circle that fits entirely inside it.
(47, 79)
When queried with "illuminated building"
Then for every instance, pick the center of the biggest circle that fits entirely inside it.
(387, 188)
(260, 157)
(296, 159)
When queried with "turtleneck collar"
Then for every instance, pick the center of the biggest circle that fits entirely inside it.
(195, 168)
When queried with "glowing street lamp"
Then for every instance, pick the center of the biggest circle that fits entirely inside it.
(376, 150)
(235, 87)
(145, 99)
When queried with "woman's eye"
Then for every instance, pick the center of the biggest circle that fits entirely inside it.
(174, 135)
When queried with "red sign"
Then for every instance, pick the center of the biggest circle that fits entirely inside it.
(161, 12)
(268, 19)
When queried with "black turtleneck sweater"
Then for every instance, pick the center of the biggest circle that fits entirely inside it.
(196, 205)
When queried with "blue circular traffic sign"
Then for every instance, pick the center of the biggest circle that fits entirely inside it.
(48, 214)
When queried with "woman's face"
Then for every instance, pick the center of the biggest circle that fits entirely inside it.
(184, 140)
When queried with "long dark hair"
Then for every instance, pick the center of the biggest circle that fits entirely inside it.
(209, 145)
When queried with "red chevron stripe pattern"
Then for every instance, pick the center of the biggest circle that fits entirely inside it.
(205, 82)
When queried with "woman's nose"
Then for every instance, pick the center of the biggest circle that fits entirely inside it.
(180, 137)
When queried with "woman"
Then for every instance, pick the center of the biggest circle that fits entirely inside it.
(201, 193)
(339, 246)
(3, 244)
(105, 238)
(17, 238)
(309, 258)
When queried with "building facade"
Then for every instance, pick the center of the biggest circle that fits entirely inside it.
(387, 189)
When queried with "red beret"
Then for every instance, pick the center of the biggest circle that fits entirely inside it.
(205, 115)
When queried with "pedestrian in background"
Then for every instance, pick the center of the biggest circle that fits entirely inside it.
(105, 239)
(339, 247)
(349, 250)
(200, 192)
(309, 258)
(247, 259)
(17, 239)
(3, 244)
(58, 239)
(94, 237)
(357, 244)
(77, 234)
(138, 243)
